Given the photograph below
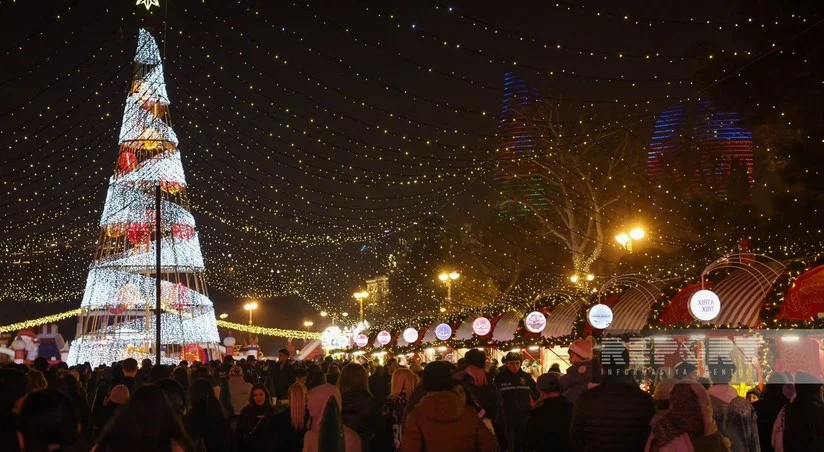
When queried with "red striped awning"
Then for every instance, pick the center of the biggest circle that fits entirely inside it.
(805, 299)
(678, 309)
(742, 294)
(464, 330)
(561, 319)
(505, 326)
(631, 311)
(429, 336)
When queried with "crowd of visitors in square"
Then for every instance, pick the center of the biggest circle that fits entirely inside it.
(286, 405)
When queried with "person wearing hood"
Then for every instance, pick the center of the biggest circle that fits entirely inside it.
(118, 396)
(359, 410)
(239, 390)
(479, 388)
(615, 415)
(442, 421)
(256, 422)
(581, 375)
(734, 416)
(325, 416)
(799, 427)
(688, 424)
(768, 407)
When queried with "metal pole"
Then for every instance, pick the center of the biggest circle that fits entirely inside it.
(157, 275)
(361, 309)
(250, 324)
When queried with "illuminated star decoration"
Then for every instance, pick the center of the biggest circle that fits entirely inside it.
(148, 3)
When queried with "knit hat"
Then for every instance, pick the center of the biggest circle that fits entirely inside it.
(549, 382)
(582, 348)
(475, 358)
(119, 394)
(513, 356)
(684, 369)
(437, 376)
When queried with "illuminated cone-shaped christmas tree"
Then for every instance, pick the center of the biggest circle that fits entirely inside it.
(117, 317)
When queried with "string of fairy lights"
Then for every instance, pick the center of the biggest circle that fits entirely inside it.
(363, 182)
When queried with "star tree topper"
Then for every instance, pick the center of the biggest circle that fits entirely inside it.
(148, 3)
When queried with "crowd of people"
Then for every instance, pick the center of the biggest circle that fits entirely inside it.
(286, 405)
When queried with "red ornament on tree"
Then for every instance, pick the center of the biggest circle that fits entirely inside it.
(138, 233)
(127, 162)
(183, 231)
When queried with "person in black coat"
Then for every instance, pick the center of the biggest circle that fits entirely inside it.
(360, 411)
(768, 407)
(256, 424)
(205, 422)
(615, 415)
(548, 422)
(517, 389)
(281, 375)
(804, 416)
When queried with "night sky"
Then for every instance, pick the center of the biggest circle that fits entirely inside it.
(312, 135)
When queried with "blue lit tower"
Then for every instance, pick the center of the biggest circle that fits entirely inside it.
(695, 149)
(516, 176)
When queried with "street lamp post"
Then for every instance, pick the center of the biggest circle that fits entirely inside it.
(447, 279)
(251, 306)
(626, 238)
(361, 296)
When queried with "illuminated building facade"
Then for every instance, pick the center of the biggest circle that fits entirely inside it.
(516, 177)
(696, 149)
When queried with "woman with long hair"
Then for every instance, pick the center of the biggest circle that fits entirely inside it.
(205, 422)
(315, 376)
(401, 387)
(325, 428)
(256, 422)
(358, 409)
(145, 423)
(292, 426)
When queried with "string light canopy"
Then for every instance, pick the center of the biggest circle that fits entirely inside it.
(310, 165)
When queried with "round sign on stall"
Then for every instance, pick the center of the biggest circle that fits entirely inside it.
(535, 322)
(443, 331)
(481, 326)
(599, 316)
(705, 305)
(410, 335)
(384, 337)
(361, 340)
